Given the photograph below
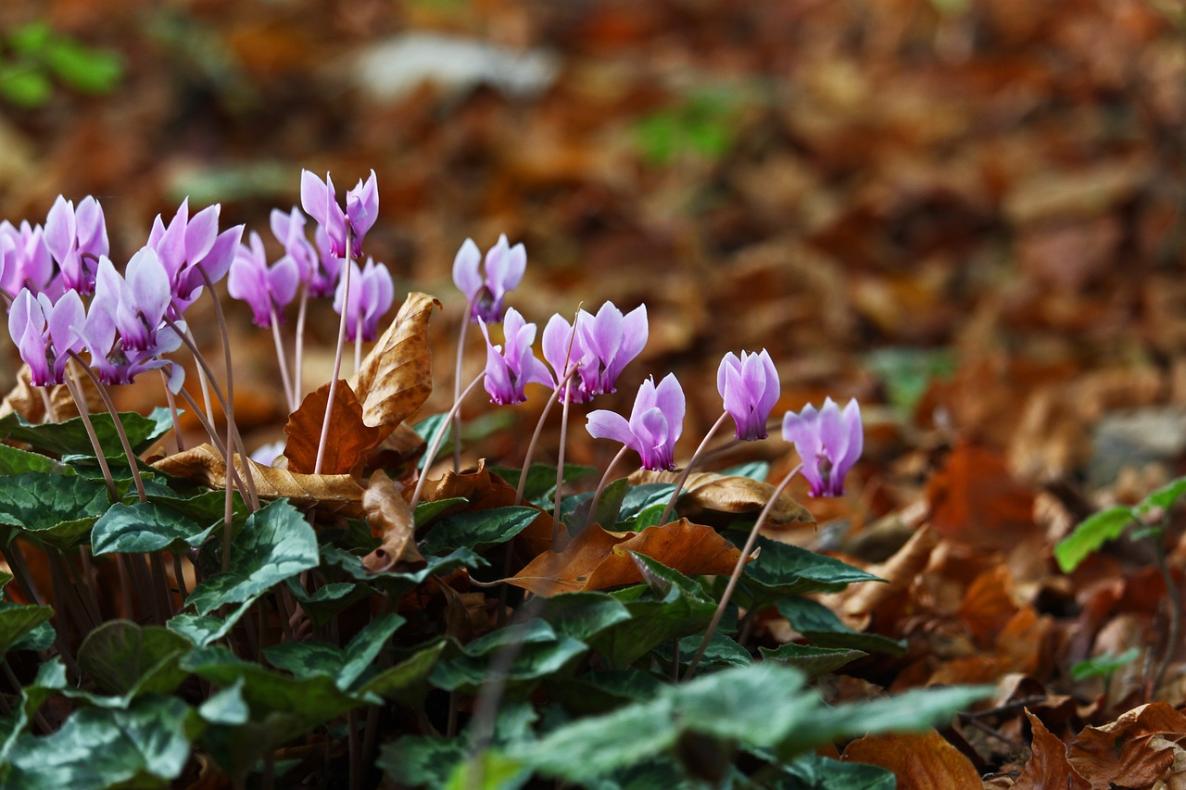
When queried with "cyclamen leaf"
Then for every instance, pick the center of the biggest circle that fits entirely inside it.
(782, 569)
(69, 436)
(822, 627)
(536, 660)
(721, 652)
(406, 681)
(344, 665)
(1089, 535)
(816, 772)
(584, 615)
(275, 544)
(226, 707)
(145, 527)
(207, 629)
(421, 761)
(15, 462)
(811, 659)
(123, 657)
(17, 622)
(54, 509)
(478, 528)
(1166, 496)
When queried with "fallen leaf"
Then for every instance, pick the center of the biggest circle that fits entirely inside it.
(918, 760)
(388, 513)
(860, 602)
(988, 604)
(24, 399)
(1127, 751)
(975, 500)
(729, 494)
(396, 377)
(597, 560)
(1048, 766)
(329, 493)
(348, 441)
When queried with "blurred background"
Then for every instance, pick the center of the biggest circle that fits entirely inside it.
(966, 214)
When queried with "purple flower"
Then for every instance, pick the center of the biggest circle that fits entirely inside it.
(556, 347)
(325, 279)
(371, 295)
(25, 261)
(829, 442)
(608, 342)
(485, 290)
(655, 424)
(289, 230)
(320, 201)
(750, 388)
(46, 332)
(511, 368)
(125, 330)
(189, 247)
(76, 238)
(265, 289)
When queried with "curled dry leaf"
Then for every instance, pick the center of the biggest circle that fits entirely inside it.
(329, 493)
(348, 442)
(24, 399)
(1048, 765)
(1129, 751)
(597, 560)
(387, 513)
(975, 500)
(396, 377)
(918, 760)
(728, 494)
(860, 602)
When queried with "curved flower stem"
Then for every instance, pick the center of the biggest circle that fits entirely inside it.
(172, 412)
(737, 569)
(213, 434)
(333, 382)
(232, 431)
(281, 359)
(683, 476)
(601, 484)
(85, 415)
(566, 402)
(228, 404)
(435, 447)
(298, 356)
(51, 414)
(539, 429)
(133, 463)
(465, 319)
(357, 345)
(203, 380)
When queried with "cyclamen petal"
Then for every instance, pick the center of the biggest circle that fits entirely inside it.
(486, 285)
(654, 427)
(512, 366)
(749, 388)
(828, 441)
(609, 341)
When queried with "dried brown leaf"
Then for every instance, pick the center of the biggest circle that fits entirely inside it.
(918, 760)
(23, 399)
(329, 493)
(348, 441)
(597, 560)
(1048, 766)
(388, 513)
(396, 377)
(975, 500)
(1128, 751)
(730, 494)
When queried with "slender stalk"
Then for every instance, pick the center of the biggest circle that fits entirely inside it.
(133, 463)
(1174, 601)
(529, 456)
(357, 344)
(172, 412)
(179, 573)
(737, 569)
(88, 577)
(68, 595)
(51, 414)
(228, 404)
(218, 443)
(228, 503)
(434, 448)
(683, 477)
(601, 484)
(566, 402)
(203, 379)
(85, 415)
(298, 357)
(333, 382)
(282, 360)
(465, 319)
(235, 442)
(20, 571)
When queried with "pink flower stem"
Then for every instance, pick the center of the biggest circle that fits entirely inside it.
(172, 412)
(333, 382)
(683, 476)
(285, 381)
(203, 380)
(529, 456)
(602, 483)
(219, 444)
(565, 404)
(465, 318)
(746, 550)
(435, 447)
(357, 345)
(51, 414)
(298, 357)
(85, 415)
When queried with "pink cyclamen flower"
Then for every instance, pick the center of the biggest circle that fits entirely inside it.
(655, 423)
(25, 261)
(125, 329)
(563, 351)
(829, 442)
(324, 281)
(320, 201)
(512, 366)
(192, 250)
(46, 332)
(76, 238)
(749, 386)
(371, 295)
(265, 289)
(486, 287)
(289, 230)
(608, 342)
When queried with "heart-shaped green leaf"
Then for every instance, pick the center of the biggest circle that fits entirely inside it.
(478, 528)
(782, 569)
(812, 659)
(344, 665)
(145, 527)
(70, 436)
(57, 510)
(19, 622)
(122, 657)
(822, 627)
(15, 462)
